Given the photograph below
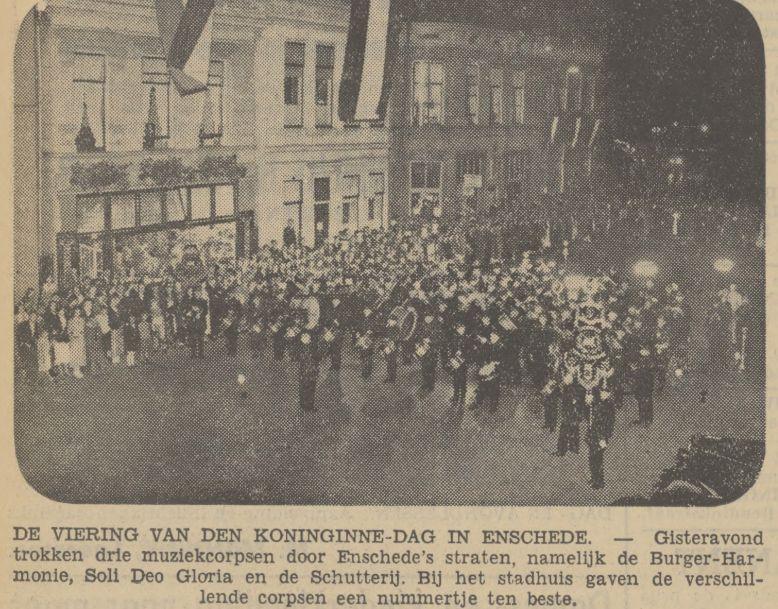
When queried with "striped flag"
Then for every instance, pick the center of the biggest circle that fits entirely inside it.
(554, 129)
(186, 27)
(370, 53)
(595, 132)
(576, 132)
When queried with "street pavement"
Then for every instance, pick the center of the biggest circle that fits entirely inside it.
(183, 431)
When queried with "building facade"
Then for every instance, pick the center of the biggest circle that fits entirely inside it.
(482, 117)
(114, 170)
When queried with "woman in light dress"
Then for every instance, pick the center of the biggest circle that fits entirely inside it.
(61, 341)
(76, 328)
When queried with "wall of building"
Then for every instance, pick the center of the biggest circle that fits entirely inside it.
(249, 38)
(456, 46)
(309, 151)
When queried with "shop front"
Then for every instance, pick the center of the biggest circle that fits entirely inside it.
(135, 233)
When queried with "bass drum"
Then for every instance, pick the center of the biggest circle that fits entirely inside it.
(402, 322)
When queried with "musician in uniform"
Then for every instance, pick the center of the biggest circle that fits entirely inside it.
(460, 350)
(231, 324)
(195, 312)
(427, 350)
(256, 321)
(332, 326)
(277, 325)
(598, 433)
(644, 382)
(308, 358)
(568, 416)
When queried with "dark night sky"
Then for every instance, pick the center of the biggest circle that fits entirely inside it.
(691, 61)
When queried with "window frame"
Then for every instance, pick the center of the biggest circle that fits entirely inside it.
(426, 188)
(148, 82)
(428, 85)
(473, 86)
(103, 101)
(496, 95)
(215, 82)
(519, 85)
(327, 68)
(300, 84)
(350, 202)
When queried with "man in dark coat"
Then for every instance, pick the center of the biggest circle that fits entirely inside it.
(290, 237)
(644, 380)
(601, 420)
(308, 358)
(231, 325)
(195, 311)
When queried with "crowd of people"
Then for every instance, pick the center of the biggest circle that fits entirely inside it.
(468, 300)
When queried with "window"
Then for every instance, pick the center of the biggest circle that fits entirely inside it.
(175, 205)
(425, 184)
(375, 204)
(224, 195)
(201, 202)
(471, 164)
(572, 90)
(150, 207)
(294, 65)
(325, 63)
(91, 214)
(89, 85)
(519, 97)
(350, 198)
(123, 210)
(427, 93)
(156, 88)
(212, 125)
(321, 190)
(473, 98)
(495, 96)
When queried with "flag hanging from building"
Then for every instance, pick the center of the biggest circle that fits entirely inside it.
(370, 52)
(185, 27)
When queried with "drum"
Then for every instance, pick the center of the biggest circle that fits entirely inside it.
(402, 322)
(307, 310)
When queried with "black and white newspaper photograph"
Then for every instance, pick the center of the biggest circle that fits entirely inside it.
(340, 302)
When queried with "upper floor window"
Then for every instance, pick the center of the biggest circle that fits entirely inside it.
(473, 96)
(495, 96)
(572, 90)
(325, 65)
(519, 97)
(294, 65)
(156, 88)
(212, 125)
(427, 93)
(89, 85)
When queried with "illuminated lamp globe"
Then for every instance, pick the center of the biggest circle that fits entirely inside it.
(723, 265)
(646, 269)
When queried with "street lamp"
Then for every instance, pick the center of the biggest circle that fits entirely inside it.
(646, 269)
(723, 265)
